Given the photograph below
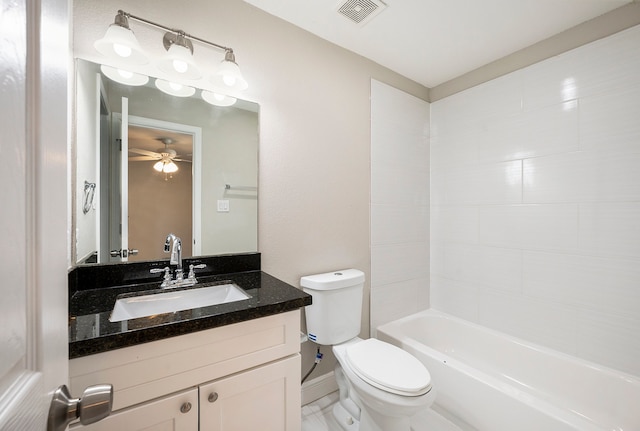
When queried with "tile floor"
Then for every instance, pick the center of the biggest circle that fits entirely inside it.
(317, 416)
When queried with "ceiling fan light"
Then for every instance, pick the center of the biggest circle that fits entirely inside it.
(170, 167)
(166, 166)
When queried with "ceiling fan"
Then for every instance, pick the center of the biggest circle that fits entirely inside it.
(165, 156)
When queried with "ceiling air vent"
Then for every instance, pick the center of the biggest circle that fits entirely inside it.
(361, 11)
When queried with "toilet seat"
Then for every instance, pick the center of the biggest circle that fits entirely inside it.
(388, 368)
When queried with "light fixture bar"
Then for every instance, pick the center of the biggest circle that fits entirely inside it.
(178, 63)
(173, 30)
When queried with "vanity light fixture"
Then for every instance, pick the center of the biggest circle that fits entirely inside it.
(124, 76)
(179, 59)
(174, 88)
(228, 74)
(218, 99)
(120, 44)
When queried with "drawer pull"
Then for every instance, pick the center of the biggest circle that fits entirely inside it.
(186, 407)
(213, 397)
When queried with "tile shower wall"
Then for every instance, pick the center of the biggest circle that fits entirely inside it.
(399, 204)
(535, 200)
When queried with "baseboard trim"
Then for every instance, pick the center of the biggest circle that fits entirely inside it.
(317, 388)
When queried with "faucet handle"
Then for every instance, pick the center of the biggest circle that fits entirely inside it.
(166, 270)
(192, 273)
(166, 280)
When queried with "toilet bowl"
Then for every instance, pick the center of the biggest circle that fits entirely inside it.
(381, 386)
(388, 385)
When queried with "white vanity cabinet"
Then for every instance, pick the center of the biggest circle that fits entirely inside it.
(241, 376)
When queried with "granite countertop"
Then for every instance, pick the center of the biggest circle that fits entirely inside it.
(90, 330)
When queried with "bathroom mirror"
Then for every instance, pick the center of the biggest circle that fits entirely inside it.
(148, 164)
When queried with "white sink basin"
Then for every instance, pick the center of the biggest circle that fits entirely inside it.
(175, 300)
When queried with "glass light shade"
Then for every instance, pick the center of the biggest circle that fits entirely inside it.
(175, 89)
(166, 166)
(124, 76)
(228, 76)
(218, 99)
(179, 63)
(120, 43)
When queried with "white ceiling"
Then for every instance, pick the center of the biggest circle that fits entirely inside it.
(433, 41)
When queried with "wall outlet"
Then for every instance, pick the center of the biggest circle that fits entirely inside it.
(223, 205)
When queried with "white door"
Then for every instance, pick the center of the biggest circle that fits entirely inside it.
(34, 229)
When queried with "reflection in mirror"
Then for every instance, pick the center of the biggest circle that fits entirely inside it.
(161, 170)
(156, 164)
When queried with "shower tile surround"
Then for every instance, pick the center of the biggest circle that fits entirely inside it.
(535, 203)
(399, 204)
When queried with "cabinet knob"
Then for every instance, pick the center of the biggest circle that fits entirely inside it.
(185, 408)
(213, 397)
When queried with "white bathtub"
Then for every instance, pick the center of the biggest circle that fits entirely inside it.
(495, 382)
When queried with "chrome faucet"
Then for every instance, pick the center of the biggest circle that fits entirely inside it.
(173, 245)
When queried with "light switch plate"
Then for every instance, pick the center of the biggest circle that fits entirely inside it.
(223, 205)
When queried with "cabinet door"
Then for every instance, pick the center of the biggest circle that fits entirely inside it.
(177, 412)
(264, 398)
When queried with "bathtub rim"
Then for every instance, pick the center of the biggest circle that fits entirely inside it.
(617, 374)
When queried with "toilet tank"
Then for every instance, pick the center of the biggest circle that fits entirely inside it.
(334, 315)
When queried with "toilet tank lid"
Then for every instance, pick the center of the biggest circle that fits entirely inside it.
(333, 280)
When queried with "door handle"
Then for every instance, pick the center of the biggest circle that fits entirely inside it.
(95, 404)
(123, 253)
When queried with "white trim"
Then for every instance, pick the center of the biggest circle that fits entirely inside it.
(124, 179)
(319, 387)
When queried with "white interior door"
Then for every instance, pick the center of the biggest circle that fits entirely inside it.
(33, 220)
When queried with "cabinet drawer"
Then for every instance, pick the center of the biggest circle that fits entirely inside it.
(150, 370)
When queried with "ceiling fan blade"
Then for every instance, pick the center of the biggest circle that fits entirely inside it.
(181, 160)
(145, 153)
(142, 158)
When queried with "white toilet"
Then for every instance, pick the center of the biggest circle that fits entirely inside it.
(381, 385)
